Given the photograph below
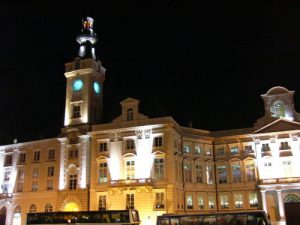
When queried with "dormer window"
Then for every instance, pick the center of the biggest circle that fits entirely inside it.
(278, 109)
(129, 114)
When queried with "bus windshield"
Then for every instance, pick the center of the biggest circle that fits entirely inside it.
(85, 217)
(230, 218)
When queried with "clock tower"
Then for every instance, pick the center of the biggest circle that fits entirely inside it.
(85, 78)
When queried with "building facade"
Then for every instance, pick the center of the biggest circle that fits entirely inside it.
(150, 164)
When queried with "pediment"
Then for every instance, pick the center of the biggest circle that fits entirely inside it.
(279, 125)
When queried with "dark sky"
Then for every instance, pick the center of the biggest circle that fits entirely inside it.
(205, 63)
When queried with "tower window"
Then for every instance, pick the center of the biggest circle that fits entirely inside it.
(130, 114)
(76, 112)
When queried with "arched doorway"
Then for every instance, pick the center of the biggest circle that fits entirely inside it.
(2, 216)
(71, 207)
(292, 209)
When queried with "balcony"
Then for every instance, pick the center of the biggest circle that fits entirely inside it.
(6, 197)
(131, 182)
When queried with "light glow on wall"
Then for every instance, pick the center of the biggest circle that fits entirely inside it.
(115, 161)
(144, 157)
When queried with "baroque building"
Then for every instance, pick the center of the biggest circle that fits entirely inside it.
(153, 165)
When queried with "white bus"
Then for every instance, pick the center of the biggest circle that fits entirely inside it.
(108, 217)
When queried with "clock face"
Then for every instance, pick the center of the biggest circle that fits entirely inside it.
(97, 87)
(77, 85)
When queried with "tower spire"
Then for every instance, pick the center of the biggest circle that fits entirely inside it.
(86, 39)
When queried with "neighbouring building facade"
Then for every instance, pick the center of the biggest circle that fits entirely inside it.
(150, 164)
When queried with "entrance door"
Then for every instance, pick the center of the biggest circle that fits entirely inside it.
(292, 213)
(2, 216)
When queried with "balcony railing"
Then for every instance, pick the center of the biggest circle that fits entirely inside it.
(280, 180)
(131, 182)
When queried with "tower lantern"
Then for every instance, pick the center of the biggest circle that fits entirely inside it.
(87, 38)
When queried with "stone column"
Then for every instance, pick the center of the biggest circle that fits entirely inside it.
(264, 200)
(280, 206)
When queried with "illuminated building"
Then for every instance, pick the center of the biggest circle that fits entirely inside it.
(151, 164)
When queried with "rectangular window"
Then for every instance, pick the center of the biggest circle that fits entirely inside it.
(103, 173)
(22, 158)
(51, 154)
(130, 144)
(224, 201)
(19, 186)
(159, 169)
(34, 186)
(6, 175)
(158, 141)
(72, 181)
(211, 201)
(36, 156)
(248, 149)
(284, 146)
(236, 173)
(35, 173)
(103, 147)
(73, 153)
(8, 160)
(102, 202)
(199, 173)
(209, 174)
(159, 200)
(265, 148)
(250, 172)
(220, 151)
(76, 112)
(186, 148)
(197, 150)
(129, 201)
(189, 201)
(234, 150)
(20, 175)
(238, 200)
(50, 171)
(130, 169)
(222, 174)
(253, 201)
(49, 184)
(188, 172)
(200, 201)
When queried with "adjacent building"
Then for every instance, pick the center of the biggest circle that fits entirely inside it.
(151, 164)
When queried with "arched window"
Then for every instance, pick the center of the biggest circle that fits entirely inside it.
(291, 198)
(48, 207)
(32, 208)
(129, 114)
(17, 216)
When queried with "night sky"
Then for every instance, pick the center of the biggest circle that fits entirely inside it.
(205, 63)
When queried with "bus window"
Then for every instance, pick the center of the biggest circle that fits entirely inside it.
(174, 221)
(164, 221)
(210, 220)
